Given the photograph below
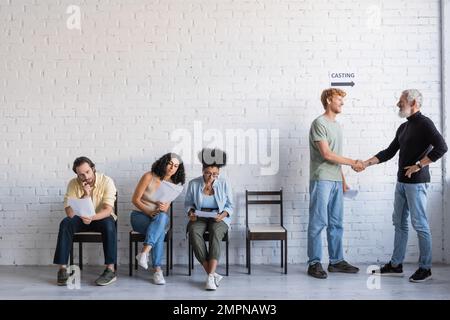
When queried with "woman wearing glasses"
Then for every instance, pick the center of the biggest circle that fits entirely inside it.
(151, 217)
(209, 193)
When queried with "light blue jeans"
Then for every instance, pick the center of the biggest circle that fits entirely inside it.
(411, 198)
(326, 209)
(154, 230)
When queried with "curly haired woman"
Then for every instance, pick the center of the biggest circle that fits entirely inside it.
(151, 216)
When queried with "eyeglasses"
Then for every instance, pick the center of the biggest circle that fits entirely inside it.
(209, 174)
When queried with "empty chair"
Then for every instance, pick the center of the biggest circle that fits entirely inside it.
(256, 232)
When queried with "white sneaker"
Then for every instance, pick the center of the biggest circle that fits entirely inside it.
(142, 259)
(217, 278)
(210, 283)
(158, 277)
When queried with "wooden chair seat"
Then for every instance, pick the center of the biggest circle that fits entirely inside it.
(267, 228)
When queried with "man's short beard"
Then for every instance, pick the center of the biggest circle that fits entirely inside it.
(404, 114)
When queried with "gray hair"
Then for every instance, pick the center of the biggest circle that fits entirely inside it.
(413, 94)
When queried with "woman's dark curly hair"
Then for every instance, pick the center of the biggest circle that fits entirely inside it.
(212, 158)
(160, 165)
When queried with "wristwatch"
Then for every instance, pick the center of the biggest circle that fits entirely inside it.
(419, 165)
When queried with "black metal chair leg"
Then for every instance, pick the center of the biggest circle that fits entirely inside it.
(249, 257)
(80, 253)
(246, 252)
(282, 251)
(189, 258)
(192, 257)
(135, 253)
(285, 255)
(227, 257)
(171, 254)
(130, 258)
(167, 257)
(71, 256)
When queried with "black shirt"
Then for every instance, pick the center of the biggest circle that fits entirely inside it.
(415, 138)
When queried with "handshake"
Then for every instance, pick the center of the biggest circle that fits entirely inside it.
(359, 165)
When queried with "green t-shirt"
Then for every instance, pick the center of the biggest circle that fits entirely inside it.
(323, 128)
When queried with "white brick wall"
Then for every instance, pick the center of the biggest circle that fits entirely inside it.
(138, 70)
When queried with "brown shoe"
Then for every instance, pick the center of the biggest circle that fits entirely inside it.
(342, 266)
(63, 276)
(315, 270)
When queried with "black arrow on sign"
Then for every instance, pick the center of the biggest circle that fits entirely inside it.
(342, 84)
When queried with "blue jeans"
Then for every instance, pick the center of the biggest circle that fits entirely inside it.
(69, 226)
(411, 198)
(154, 230)
(326, 209)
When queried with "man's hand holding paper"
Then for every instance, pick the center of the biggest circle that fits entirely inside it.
(82, 207)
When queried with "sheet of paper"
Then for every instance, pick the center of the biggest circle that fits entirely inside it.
(351, 194)
(167, 192)
(205, 214)
(82, 207)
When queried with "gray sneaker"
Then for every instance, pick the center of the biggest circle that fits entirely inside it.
(63, 276)
(342, 266)
(107, 277)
